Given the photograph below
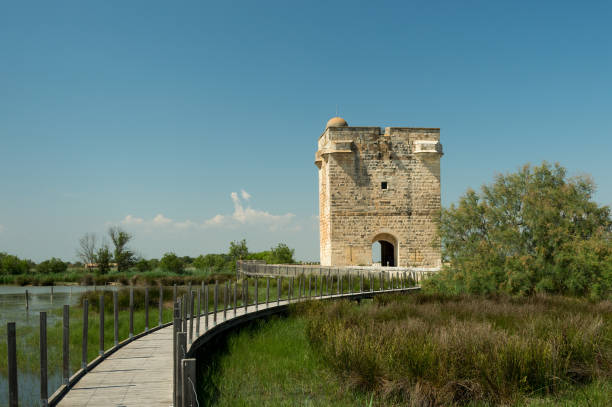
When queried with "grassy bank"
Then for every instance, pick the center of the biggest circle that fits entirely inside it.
(420, 350)
(270, 363)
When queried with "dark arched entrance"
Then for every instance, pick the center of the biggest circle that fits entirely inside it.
(384, 250)
(387, 254)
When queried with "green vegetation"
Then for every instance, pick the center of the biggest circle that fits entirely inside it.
(534, 231)
(123, 256)
(171, 269)
(270, 363)
(281, 254)
(52, 266)
(419, 350)
(444, 350)
(171, 262)
(28, 335)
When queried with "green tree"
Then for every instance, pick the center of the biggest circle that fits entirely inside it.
(282, 254)
(216, 262)
(123, 256)
(142, 265)
(238, 250)
(103, 259)
(171, 262)
(10, 264)
(535, 230)
(52, 265)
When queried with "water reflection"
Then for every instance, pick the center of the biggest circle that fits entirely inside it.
(13, 301)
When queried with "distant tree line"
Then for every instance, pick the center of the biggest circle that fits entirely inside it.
(103, 258)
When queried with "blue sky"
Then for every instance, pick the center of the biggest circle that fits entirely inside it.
(194, 123)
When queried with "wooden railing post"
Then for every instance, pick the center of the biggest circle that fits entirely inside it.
(44, 388)
(12, 364)
(256, 293)
(181, 347)
(146, 307)
(216, 301)
(360, 282)
(184, 307)
(235, 295)
(309, 287)
(175, 329)
(279, 284)
(85, 334)
(199, 312)
(160, 305)
(267, 292)
(116, 317)
(189, 386)
(101, 330)
(131, 312)
(66, 344)
(191, 295)
(206, 307)
(225, 300)
(27, 300)
(174, 293)
(290, 290)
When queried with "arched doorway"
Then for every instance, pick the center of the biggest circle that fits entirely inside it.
(384, 250)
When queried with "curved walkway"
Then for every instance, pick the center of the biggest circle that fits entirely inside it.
(140, 373)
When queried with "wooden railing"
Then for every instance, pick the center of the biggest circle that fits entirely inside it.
(225, 305)
(262, 300)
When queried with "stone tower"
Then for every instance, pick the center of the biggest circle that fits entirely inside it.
(378, 186)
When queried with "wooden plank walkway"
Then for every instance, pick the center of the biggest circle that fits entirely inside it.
(140, 373)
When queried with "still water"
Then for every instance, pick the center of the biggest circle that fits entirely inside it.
(13, 309)
(13, 301)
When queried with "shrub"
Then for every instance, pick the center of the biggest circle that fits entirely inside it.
(10, 264)
(52, 266)
(171, 262)
(532, 231)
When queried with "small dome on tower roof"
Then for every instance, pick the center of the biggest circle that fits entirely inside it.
(336, 122)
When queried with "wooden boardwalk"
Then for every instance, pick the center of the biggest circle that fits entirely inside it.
(141, 372)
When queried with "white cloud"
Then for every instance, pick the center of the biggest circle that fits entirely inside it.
(161, 220)
(243, 214)
(215, 220)
(249, 215)
(132, 220)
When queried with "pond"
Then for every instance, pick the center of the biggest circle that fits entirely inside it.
(13, 309)
(13, 302)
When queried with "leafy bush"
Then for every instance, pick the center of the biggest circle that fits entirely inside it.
(171, 262)
(532, 231)
(53, 265)
(10, 264)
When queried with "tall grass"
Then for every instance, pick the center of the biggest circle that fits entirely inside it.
(269, 363)
(436, 350)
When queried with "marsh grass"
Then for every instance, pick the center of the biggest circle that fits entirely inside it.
(437, 350)
(269, 363)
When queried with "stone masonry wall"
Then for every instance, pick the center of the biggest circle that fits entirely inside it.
(355, 211)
